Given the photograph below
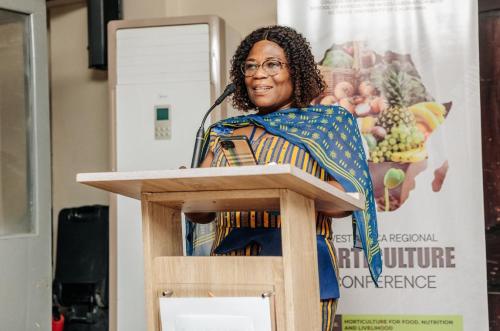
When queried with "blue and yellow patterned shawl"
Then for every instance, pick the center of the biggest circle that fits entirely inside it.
(331, 136)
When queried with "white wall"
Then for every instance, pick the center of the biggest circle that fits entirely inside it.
(243, 16)
(133, 9)
(79, 111)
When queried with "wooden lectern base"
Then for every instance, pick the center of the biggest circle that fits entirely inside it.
(296, 293)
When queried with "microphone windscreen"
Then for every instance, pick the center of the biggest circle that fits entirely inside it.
(227, 92)
(230, 88)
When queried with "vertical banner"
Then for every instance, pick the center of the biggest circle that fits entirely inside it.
(408, 70)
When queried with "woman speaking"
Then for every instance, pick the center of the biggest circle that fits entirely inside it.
(275, 74)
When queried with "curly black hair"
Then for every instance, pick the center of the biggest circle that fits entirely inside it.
(306, 78)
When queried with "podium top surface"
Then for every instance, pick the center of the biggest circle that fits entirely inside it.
(133, 184)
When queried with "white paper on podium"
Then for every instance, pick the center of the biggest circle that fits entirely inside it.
(215, 314)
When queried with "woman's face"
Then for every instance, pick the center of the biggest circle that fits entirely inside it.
(269, 93)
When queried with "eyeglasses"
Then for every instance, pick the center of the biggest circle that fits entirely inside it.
(271, 67)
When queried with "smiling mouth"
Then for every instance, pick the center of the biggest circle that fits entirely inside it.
(261, 89)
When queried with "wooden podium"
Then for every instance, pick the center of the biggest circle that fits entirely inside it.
(291, 280)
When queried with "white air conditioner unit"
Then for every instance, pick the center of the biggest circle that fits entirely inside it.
(164, 74)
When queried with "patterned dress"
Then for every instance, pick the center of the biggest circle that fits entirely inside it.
(269, 148)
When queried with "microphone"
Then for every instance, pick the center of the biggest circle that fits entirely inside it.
(200, 135)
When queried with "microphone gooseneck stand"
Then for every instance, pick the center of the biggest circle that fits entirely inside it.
(200, 135)
(195, 161)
